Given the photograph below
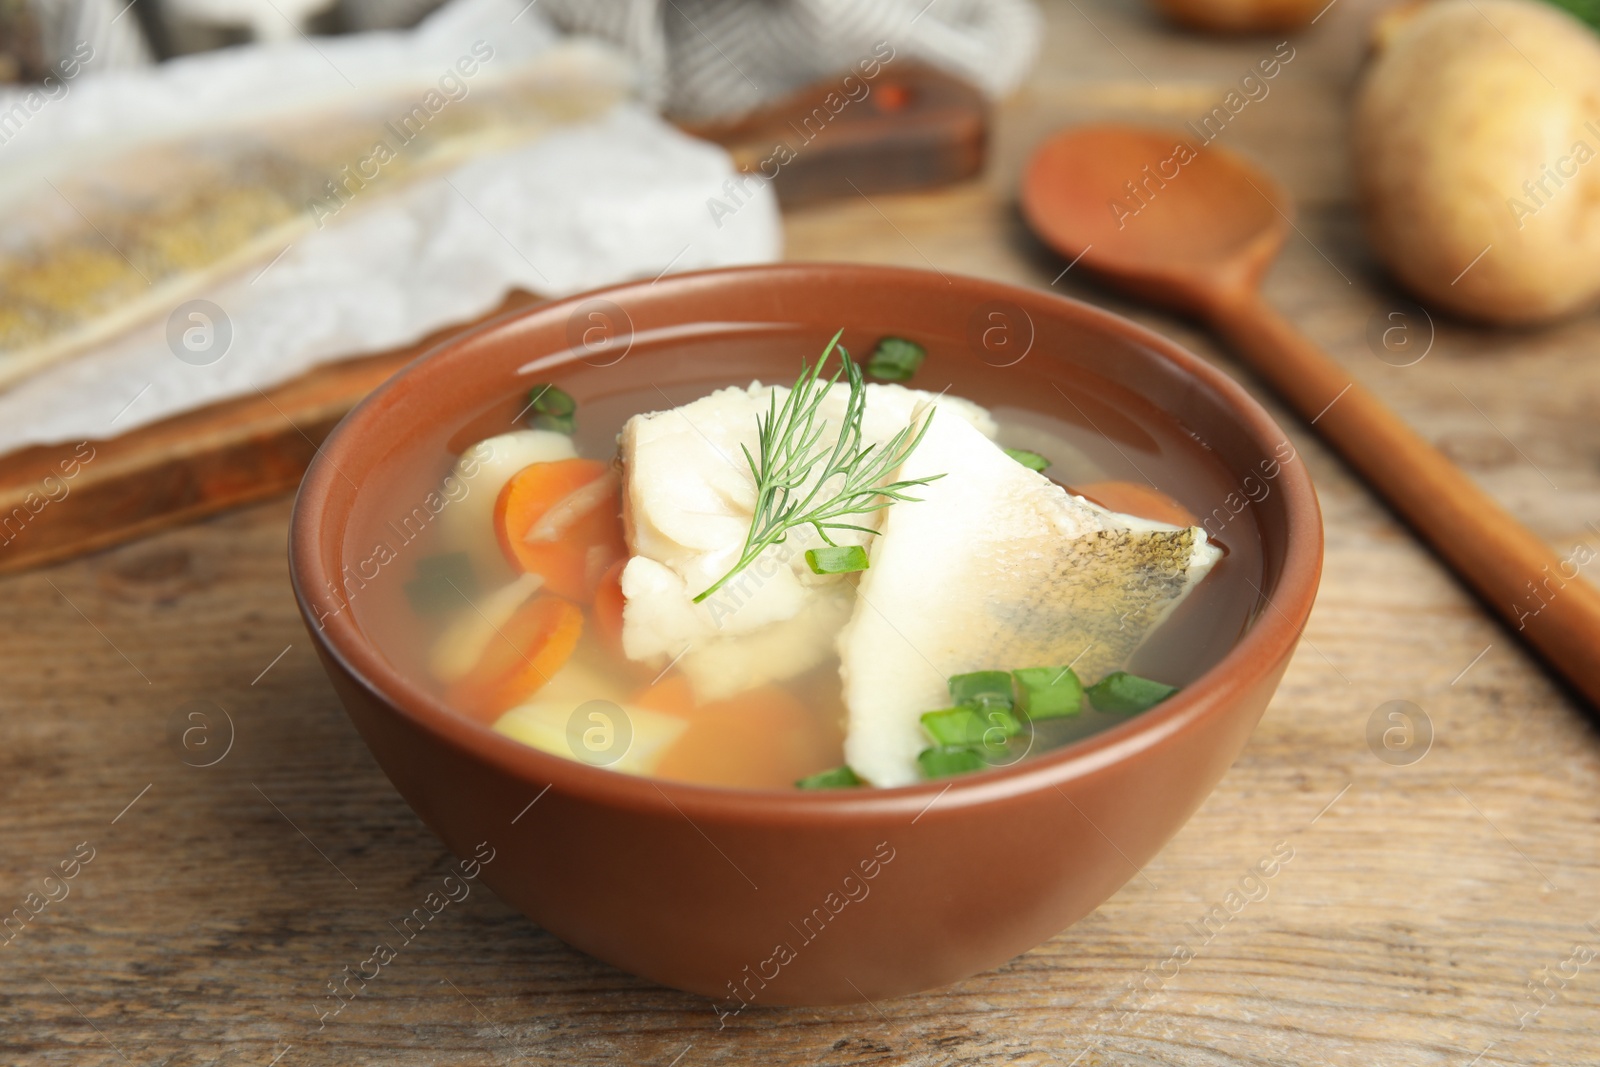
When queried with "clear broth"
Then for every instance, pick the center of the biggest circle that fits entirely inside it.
(1091, 429)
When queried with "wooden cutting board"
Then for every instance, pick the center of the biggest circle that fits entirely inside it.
(184, 467)
(914, 128)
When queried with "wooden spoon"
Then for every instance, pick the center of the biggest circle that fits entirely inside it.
(1194, 230)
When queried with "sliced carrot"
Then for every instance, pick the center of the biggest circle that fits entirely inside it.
(1132, 498)
(522, 656)
(608, 605)
(562, 521)
(762, 739)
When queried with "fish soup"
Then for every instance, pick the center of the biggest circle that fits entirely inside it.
(926, 568)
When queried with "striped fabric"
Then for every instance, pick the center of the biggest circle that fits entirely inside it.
(704, 59)
(100, 34)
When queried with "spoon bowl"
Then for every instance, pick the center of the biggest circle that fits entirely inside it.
(1148, 211)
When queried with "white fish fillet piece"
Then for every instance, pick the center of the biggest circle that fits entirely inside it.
(688, 497)
(996, 568)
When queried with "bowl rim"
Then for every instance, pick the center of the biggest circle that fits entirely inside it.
(1271, 636)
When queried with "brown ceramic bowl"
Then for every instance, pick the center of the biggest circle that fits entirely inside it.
(788, 897)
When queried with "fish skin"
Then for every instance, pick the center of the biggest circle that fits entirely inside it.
(1023, 574)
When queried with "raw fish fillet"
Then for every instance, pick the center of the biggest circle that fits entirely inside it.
(996, 568)
(688, 497)
(131, 236)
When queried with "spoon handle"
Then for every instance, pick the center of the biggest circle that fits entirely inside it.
(1541, 595)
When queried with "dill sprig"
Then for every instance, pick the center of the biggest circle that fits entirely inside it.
(789, 440)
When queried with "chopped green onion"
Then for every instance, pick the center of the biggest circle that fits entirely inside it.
(944, 761)
(953, 726)
(1048, 692)
(837, 778)
(981, 689)
(895, 359)
(843, 559)
(550, 408)
(968, 726)
(1126, 693)
(1032, 460)
(442, 582)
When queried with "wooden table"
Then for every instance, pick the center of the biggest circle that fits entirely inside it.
(1434, 911)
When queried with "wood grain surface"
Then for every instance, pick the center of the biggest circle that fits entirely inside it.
(1440, 909)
